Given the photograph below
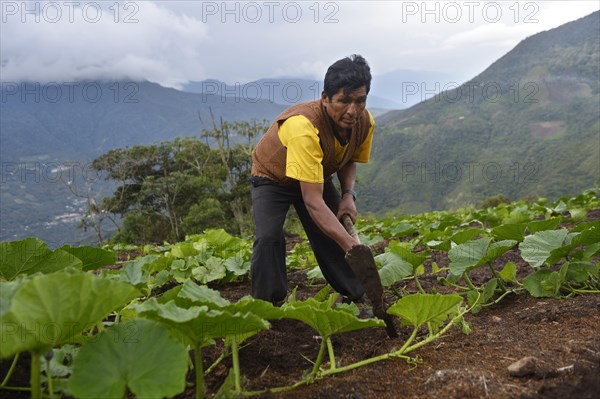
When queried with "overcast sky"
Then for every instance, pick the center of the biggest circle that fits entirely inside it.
(173, 42)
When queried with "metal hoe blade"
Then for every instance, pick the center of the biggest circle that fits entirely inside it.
(361, 261)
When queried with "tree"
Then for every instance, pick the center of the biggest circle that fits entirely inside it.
(237, 161)
(167, 190)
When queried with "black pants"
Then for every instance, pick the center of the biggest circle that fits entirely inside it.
(271, 203)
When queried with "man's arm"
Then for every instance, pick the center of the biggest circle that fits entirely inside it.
(312, 194)
(347, 177)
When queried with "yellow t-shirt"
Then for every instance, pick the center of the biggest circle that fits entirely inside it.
(304, 153)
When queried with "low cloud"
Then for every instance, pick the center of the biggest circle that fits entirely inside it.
(62, 43)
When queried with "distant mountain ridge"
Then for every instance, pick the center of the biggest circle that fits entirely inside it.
(89, 118)
(284, 91)
(527, 125)
(393, 90)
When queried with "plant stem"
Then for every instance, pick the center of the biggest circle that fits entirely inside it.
(365, 362)
(49, 378)
(435, 336)
(419, 286)
(222, 356)
(319, 360)
(495, 274)
(499, 298)
(468, 281)
(585, 291)
(236, 364)
(34, 380)
(460, 287)
(386, 356)
(199, 372)
(408, 341)
(331, 354)
(304, 381)
(16, 388)
(10, 370)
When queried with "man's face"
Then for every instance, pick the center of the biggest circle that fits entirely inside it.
(345, 108)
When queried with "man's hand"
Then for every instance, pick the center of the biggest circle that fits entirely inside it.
(312, 194)
(347, 207)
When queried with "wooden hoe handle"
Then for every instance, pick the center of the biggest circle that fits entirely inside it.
(349, 226)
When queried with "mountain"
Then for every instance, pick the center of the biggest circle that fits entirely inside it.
(529, 125)
(57, 121)
(50, 133)
(394, 90)
(285, 91)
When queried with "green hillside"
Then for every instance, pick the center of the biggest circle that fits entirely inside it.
(526, 126)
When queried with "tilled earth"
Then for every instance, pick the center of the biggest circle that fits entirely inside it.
(561, 334)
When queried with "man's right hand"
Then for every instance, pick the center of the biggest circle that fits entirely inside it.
(312, 194)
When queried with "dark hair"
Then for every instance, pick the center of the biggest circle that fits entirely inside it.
(349, 73)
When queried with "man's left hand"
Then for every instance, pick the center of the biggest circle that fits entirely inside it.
(347, 207)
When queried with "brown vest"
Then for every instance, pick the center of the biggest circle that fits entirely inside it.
(269, 156)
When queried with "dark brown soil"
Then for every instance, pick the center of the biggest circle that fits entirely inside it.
(559, 333)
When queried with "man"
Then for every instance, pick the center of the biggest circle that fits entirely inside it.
(294, 163)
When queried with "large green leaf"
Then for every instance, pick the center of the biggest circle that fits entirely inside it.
(581, 271)
(236, 265)
(402, 230)
(212, 270)
(545, 282)
(589, 237)
(459, 237)
(419, 309)
(8, 289)
(465, 235)
(509, 232)
(517, 215)
(184, 250)
(223, 242)
(91, 257)
(393, 268)
(497, 249)
(260, 308)
(509, 272)
(30, 256)
(52, 309)
(586, 226)
(202, 295)
(404, 250)
(536, 248)
(398, 262)
(578, 214)
(467, 256)
(150, 263)
(134, 274)
(137, 354)
(541, 225)
(199, 323)
(325, 320)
